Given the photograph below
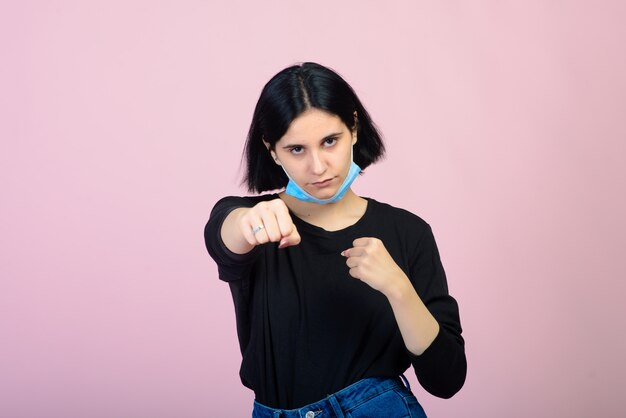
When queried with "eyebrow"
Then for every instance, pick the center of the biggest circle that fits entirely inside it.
(329, 136)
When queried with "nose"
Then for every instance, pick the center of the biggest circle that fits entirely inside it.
(317, 165)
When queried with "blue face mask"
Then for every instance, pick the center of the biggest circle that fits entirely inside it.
(299, 193)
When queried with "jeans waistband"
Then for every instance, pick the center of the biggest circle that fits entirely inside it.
(345, 399)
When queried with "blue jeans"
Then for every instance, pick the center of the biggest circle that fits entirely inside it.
(368, 398)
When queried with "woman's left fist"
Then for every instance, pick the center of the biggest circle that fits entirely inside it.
(370, 262)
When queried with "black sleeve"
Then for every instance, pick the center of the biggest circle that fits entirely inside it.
(230, 266)
(442, 367)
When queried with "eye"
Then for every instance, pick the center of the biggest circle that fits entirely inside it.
(330, 141)
(296, 150)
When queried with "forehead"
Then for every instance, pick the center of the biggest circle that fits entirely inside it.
(313, 125)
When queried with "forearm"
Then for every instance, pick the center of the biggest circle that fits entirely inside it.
(417, 325)
(231, 233)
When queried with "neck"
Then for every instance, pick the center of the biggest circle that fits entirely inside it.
(308, 210)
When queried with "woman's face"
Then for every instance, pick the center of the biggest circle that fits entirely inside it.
(315, 151)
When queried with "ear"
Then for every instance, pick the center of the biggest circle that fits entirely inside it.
(272, 153)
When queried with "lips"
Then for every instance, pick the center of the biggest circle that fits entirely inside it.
(322, 183)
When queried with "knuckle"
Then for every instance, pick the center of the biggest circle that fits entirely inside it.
(285, 228)
(275, 236)
(278, 206)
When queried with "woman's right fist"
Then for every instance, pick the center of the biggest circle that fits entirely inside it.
(269, 221)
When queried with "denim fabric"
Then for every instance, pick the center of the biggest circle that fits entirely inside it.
(367, 398)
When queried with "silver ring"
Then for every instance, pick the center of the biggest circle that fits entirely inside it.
(257, 229)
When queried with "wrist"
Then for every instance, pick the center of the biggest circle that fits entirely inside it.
(400, 287)
(239, 213)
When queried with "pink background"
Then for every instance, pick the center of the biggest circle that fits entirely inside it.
(122, 123)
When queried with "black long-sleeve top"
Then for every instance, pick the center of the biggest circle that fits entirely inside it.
(307, 328)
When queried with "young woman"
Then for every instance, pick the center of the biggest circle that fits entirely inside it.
(335, 294)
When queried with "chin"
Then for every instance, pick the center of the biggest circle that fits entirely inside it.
(321, 194)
